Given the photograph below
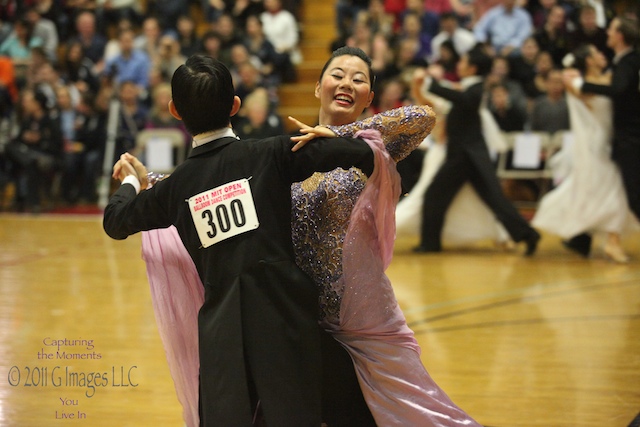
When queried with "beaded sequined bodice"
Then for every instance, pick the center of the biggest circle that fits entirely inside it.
(322, 204)
(322, 207)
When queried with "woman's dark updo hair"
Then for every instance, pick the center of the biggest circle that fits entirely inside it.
(580, 55)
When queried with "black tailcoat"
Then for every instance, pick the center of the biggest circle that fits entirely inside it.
(624, 92)
(258, 330)
(467, 160)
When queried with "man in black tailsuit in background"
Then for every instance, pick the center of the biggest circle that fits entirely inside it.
(624, 91)
(467, 158)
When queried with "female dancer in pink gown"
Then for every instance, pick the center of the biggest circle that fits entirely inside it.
(343, 228)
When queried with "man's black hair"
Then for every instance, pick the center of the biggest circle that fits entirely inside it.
(480, 59)
(202, 92)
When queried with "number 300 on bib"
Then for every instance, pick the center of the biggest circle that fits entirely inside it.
(223, 212)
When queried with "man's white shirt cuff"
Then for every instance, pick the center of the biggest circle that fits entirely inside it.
(133, 180)
(577, 83)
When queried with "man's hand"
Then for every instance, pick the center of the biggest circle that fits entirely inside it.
(130, 165)
(569, 75)
(122, 169)
(436, 71)
(141, 170)
(309, 133)
(419, 74)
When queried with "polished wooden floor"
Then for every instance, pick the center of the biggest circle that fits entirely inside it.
(548, 341)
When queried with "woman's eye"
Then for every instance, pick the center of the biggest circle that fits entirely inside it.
(336, 76)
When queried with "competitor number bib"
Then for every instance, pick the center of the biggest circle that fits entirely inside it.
(223, 212)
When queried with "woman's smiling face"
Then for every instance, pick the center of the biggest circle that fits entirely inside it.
(344, 90)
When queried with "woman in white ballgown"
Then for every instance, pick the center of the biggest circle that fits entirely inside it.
(591, 198)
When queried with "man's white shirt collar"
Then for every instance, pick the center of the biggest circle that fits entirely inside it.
(203, 138)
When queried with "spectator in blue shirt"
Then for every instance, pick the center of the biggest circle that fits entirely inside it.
(504, 28)
(130, 65)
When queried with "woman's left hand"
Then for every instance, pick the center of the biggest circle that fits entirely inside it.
(309, 133)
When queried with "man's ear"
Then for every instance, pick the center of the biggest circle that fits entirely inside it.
(173, 111)
(236, 106)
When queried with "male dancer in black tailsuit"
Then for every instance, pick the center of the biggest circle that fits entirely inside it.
(262, 353)
(624, 91)
(467, 159)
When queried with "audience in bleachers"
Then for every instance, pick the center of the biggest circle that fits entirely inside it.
(524, 67)
(132, 117)
(8, 88)
(130, 64)
(110, 12)
(167, 12)
(93, 51)
(508, 115)
(412, 29)
(77, 69)
(544, 65)
(500, 75)
(45, 30)
(346, 14)
(361, 36)
(148, 41)
(392, 94)
(18, 46)
(553, 36)
(281, 29)
(167, 59)
(550, 112)
(380, 21)
(187, 36)
(159, 115)
(540, 11)
(35, 154)
(92, 41)
(112, 48)
(430, 13)
(225, 26)
(84, 142)
(256, 118)
(271, 63)
(448, 58)
(450, 30)
(588, 32)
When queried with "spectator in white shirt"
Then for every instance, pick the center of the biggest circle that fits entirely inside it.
(463, 39)
(46, 31)
(281, 29)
